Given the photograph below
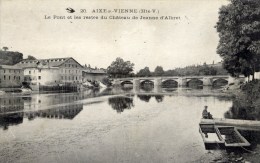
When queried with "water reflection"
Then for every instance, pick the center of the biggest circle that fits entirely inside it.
(60, 112)
(145, 98)
(159, 98)
(120, 103)
(10, 120)
(242, 110)
(90, 130)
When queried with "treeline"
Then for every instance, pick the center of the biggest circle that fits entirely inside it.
(194, 70)
(120, 68)
(11, 57)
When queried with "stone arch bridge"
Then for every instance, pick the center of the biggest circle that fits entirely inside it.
(180, 80)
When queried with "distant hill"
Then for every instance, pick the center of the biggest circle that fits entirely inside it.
(10, 57)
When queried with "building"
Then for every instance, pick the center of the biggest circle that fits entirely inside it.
(90, 74)
(11, 76)
(52, 71)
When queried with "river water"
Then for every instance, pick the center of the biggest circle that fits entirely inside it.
(107, 125)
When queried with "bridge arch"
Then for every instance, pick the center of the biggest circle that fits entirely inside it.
(126, 82)
(169, 83)
(146, 81)
(220, 82)
(194, 82)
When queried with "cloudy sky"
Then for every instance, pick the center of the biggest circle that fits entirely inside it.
(169, 43)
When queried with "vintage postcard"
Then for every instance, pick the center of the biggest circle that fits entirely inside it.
(127, 81)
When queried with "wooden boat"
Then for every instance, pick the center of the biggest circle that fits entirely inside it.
(221, 137)
(231, 136)
(210, 138)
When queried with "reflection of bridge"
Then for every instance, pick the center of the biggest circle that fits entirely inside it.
(180, 80)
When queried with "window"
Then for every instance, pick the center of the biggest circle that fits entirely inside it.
(19, 78)
(29, 72)
(40, 70)
(4, 77)
(39, 77)
(9, 77)
(4, 71)
(9, 71)
(14, 77)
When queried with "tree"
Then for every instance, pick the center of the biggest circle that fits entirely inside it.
(171, 73)
(10, 57)
(239, 33)
(120, 68)
(158, 71)
(144, 72)
(5, 48)
(31, 57)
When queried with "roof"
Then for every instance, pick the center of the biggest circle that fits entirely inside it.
(9, 67)
(94, 71)
(52, 62)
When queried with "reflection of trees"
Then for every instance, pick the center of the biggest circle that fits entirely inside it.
(10, 119)
(241, 109)
(120, 103)
(59, 112)
(145, 98)
(159, 98)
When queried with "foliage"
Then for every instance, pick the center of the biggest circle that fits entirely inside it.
(158, 71)
(5, 48)
(106, 81)
(31, 57)
(204, 69)
(239, 33)
(246, 105)
(10, 58)
(120, 68)
(171, 73)
(145, 72)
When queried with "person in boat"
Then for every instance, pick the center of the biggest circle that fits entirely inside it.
(206, 114)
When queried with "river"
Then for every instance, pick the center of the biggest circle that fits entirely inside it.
(111, 125)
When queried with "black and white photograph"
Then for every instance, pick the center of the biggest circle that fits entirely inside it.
(129, 81)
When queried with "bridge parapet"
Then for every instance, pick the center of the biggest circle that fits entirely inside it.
(182, 80)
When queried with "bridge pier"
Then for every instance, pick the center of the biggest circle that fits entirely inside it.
(136, 83)
(136, 89)
(207, 81)
(117, 82)
(182, 82)
(157, 89)
(157, 82)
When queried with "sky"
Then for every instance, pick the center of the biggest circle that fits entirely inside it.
(168, 43)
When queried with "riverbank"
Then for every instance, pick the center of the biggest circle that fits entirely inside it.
(246, 105)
